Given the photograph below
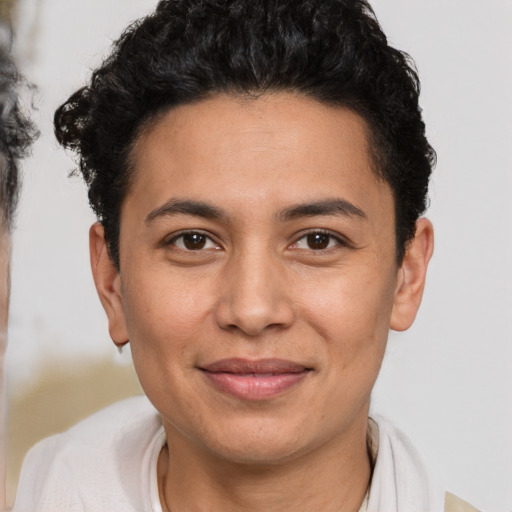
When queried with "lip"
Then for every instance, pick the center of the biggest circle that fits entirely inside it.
(260, 379)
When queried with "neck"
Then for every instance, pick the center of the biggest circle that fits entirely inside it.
(333, 477)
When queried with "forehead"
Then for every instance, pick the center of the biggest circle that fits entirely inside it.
(245, 150)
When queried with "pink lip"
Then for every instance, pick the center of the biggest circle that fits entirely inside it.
(254, 380)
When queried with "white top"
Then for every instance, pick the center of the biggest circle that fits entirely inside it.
(104, 463)
(108, 463)
(156, 447)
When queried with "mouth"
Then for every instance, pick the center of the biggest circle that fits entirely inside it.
(261, 379)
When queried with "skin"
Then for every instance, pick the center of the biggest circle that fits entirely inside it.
(5, 254)
(259, 288)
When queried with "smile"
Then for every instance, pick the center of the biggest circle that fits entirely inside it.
(254, 380)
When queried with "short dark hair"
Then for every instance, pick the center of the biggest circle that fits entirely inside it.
(16, 134)
(331, 50)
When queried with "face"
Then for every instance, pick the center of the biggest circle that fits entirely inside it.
(258, 278)
(5, 256)
(5, 253)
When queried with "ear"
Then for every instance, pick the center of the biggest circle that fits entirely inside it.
(108, 284)
(411, 276)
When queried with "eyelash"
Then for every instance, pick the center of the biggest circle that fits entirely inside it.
(339, 241)
(208, 240)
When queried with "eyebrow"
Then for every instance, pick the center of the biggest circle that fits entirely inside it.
(186, 207)
(334, 206)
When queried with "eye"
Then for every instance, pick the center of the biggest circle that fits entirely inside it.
(317, 241)
(193, 241)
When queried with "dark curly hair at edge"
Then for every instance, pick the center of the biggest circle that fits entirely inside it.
(331, 50)
(16, 134)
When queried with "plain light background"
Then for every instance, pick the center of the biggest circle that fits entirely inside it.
(447, 382)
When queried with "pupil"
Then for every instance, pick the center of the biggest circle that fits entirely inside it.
(194, 241)
(318, 241)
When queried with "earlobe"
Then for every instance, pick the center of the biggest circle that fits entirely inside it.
(108, 284)
(412, 275)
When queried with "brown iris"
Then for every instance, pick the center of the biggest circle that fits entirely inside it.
(194, 241)
(317, 241)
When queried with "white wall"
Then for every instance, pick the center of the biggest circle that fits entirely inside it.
(447, 381)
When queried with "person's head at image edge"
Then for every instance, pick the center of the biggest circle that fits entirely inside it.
(16, 135)
(259, 171)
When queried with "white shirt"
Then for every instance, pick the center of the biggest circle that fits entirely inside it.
(104, 463)
(108, 463)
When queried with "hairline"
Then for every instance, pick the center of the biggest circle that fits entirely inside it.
(150, 119)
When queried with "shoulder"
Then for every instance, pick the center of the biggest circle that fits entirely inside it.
(126, 417)
(104, 452)
(454, 504)
(396, 457)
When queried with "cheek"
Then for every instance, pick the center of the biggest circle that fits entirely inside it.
(351, 310)
(164, 313)
(352, 317)
(165, 320)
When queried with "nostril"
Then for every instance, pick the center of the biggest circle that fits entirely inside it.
(252, 304)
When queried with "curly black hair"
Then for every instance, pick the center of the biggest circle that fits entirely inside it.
(16, 135)
(332, 50)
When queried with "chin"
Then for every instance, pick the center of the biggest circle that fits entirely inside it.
(258, 443)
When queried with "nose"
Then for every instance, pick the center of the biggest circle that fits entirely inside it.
(254, 296)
